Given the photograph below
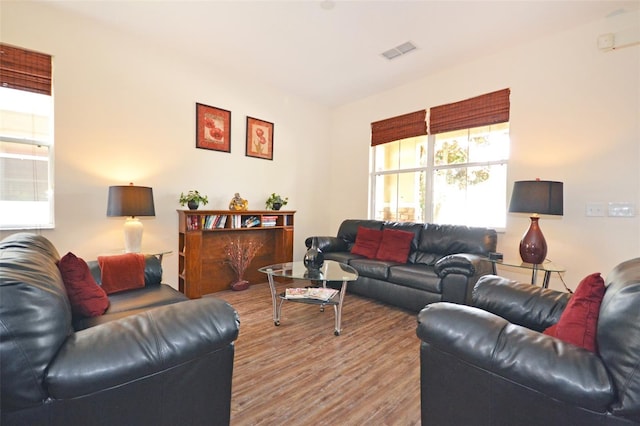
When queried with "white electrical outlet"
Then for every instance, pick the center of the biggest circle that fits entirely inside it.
(595, 209)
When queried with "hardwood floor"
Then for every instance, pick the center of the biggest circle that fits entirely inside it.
(301, 374)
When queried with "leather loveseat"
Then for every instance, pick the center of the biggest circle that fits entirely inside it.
(494, 359)
(443, 264)
(154, 358)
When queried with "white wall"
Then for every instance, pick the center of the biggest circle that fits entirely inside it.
(574, 118)
(125, 112)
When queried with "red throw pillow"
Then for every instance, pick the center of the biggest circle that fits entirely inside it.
(122, 272)
(367, 242)
(579, 320)
(395, 245)
(87, 298)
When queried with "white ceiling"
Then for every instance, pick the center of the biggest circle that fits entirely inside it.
(330, 52)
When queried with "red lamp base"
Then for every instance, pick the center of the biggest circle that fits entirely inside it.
(533, 247)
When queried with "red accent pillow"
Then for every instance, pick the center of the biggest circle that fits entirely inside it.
(122, 272)
(87, 298)
(579, 320)
(367, 242)
(395, 245)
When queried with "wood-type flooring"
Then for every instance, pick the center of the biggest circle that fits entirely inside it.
(299, 373)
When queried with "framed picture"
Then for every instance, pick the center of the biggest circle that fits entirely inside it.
(213, 128)
(259, 138)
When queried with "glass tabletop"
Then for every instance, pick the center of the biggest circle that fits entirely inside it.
(547, 265)
(330, 271)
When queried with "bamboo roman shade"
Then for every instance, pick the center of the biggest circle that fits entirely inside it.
(400, 127)
(482, 110)
(25, 70)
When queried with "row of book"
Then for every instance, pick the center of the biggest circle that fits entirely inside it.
(195, 222)
(269, 220)
(206, 222)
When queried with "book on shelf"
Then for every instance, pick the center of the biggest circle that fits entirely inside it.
(317, 293)
(251, 221)
(269, 220)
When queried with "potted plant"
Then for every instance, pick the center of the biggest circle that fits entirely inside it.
(239, 256)
(275, 201)
(193, 199)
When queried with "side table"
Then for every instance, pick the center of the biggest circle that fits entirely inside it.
(547, 266)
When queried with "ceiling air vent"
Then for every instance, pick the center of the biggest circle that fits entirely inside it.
(399, 50)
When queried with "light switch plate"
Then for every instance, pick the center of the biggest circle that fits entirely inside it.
(622, 209)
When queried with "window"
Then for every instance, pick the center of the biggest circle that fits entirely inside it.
(456, 175)
(26, 140)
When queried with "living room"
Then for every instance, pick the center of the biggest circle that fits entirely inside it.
(124, 112)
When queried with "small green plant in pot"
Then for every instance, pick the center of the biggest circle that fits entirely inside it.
(275, 201)
(193, 199)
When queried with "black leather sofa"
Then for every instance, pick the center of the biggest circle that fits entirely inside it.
(494, 359)
(154, 358)
(444, 262)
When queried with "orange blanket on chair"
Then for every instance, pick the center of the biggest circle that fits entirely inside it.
(122, 272)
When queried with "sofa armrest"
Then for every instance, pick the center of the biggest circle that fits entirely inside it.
(495, 347)
(462, 263)
(124, 351)
(524, 304)
(328, 244)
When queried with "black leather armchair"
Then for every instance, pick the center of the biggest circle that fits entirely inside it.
(166, 365)
(490, 364)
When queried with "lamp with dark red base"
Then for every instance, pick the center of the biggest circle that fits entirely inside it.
(533, 247)
(537, 197)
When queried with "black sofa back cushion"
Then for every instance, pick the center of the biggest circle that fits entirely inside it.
(449, 239)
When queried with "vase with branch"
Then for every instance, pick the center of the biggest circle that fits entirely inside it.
(240, 253)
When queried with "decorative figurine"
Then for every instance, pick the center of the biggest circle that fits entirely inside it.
(238, 203)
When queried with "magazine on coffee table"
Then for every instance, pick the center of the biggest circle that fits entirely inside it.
(317, 293)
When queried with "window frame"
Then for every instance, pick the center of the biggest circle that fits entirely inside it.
(28, 73)
(429, 169)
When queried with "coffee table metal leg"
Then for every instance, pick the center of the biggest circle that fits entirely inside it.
(338, 308)
(274, 301)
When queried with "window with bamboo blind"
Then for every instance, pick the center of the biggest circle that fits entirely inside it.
(26, 138)
(446, 164)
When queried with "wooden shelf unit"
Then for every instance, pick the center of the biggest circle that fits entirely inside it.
(202, 263)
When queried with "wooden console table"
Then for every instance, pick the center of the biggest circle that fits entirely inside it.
(204, 234)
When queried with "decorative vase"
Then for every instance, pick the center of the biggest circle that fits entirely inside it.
(313, 258)
(277, 206)
(240, 285)
(193, 205)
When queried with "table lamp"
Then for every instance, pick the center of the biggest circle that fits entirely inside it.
(535, 197)
(131, 201)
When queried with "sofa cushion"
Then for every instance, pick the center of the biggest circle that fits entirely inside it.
(451, 239)
(87, 298)
(122, 272)
(349, 229)
(395, 245)
(127, 303)
(367, 242)
(372, 268)
(421, 277)
(579, 320)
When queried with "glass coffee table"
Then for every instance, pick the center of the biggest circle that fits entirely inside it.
(330, 271)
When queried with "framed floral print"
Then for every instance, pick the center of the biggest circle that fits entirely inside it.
(259, 139)
(213, 128)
